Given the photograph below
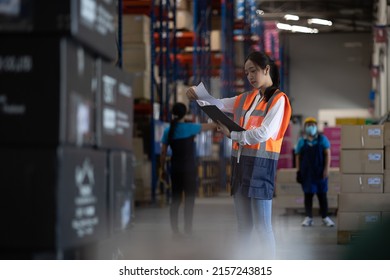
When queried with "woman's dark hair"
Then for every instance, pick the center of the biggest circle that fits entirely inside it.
(179, 110)
(262, 60)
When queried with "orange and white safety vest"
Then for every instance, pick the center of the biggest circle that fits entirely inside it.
(257, 168)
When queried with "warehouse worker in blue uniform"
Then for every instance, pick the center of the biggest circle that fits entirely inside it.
(313, 160)
(180, 137)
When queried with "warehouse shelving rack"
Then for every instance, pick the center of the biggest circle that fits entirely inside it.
(248, 28)
(120, 49)
(164, 54)
(170, 54)
(227, 67)
(201, 48)
(155, 12)
(164, 43)
(227, 76)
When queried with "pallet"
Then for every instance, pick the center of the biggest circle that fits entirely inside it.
(348, 237)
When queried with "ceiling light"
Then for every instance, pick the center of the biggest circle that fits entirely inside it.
(296, 28)
(284, 26)
(291, 17)
(303, 29)
(319, 21)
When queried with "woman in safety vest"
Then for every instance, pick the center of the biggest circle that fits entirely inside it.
(264, 113)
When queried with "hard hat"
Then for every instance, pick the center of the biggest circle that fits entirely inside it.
(310, 119)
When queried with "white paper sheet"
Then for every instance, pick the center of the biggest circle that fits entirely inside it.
(205, 98)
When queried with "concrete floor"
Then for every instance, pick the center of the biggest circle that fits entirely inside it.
(214, 235)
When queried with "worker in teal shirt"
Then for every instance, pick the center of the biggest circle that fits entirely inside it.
(180, 137)
(313, 160)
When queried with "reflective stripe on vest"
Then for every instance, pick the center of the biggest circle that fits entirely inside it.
(256, 153)
(271, 148)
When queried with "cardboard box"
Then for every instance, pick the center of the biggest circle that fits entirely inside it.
(89, 22)
(336, 157)
(141, 83)
(138, 144)
(215, 40)
(332, 132)
(334, 188)
(386, 181)
(362, 161)
(335, 149)
(216, 22)
(354, 221)
(364, 202)
(287, 184)
(297, 201)
(184, 20)
(285, 161)
(137, 57)
(46, 92)
(120, 190)
(362, 137)
(385, 215)
(56, 198)
(114, 107)
(335, 163)
(136, 29)
(290, 201)
(387, 157)
(334, 175)
(147, 174)
(365, 183)
(183, 4)
(386, 133)
(288, 189)
(286, 175)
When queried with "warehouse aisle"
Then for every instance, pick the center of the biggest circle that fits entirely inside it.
(214, 235)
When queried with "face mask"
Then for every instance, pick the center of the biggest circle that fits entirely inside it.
(311, 130)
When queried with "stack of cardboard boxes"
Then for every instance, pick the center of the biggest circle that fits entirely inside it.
(289, 193)
(137, 53)
(333, 133)
(66, 118)
(137, 60)
(364, 197)
(286, 153)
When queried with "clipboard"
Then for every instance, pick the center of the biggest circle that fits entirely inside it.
(217, 115)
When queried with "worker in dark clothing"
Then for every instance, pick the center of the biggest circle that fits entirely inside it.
(313, 161)
(180, 137)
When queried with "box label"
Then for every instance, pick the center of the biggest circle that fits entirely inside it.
(109, 119)
(371, 218)
(374, 181)
(16, 64)
(374, 156)
(88, 11)
(374, 132)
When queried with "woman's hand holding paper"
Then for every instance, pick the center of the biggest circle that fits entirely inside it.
(191, 94)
